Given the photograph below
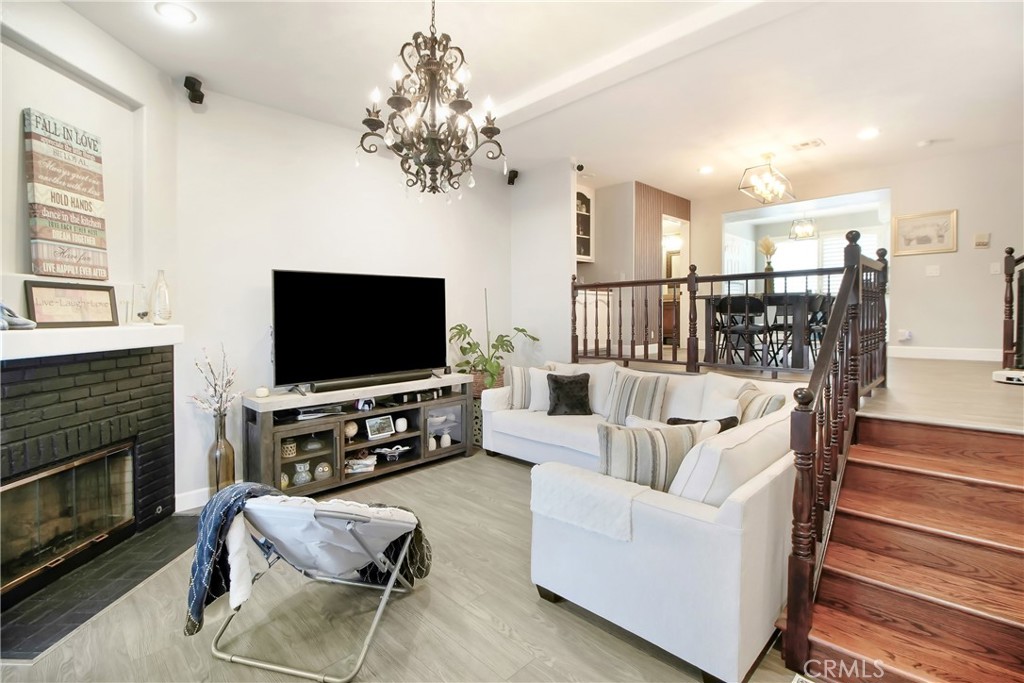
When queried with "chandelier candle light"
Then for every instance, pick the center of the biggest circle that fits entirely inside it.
(765, 183)
(429, 128)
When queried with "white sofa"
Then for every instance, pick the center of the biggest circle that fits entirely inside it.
(572, 439)
(699, 571)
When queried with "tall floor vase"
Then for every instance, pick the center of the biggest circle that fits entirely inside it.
(222, 458)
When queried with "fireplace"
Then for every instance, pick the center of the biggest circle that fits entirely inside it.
(86, 458)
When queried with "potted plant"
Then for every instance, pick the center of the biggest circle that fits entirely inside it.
(484, 361)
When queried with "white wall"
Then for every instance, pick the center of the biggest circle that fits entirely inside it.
(56, 61)
(543, 257)
(260, 189)
(614, 234)
(957, 314)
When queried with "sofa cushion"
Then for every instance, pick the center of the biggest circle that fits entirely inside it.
(755, 404)
(540, 392)
(705, 428)
(519, 383)
(575, 432)
(636, 393)
(569, 394)
(723, 423)
(601, 377)
(683, 396)
(723, 463)
(649, 457)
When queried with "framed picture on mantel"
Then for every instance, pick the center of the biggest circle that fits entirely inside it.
(63, 304)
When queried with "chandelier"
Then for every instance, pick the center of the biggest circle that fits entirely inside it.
(429, 128)
(802, 229)
(765, 183)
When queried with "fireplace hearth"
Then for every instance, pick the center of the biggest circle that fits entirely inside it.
(86, 458)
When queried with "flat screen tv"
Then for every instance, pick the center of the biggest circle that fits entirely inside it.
(346, 329)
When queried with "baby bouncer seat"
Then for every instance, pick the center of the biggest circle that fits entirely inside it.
(337, 542)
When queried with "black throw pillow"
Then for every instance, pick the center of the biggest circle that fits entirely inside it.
(569, 394)
(726, 422)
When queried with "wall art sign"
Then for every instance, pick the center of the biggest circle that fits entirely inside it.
(64, 169)
(70, 305)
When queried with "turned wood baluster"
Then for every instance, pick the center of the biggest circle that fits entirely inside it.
(691, 340)
(632, 322)
(1009, 266)
(821, 502)
(647, 323)
(883, 317)
(675, 323)
(586, 347)
(575, 347)
(619, 300)
(835, 388)
(851, 258)
(801, 560)
(608, 326)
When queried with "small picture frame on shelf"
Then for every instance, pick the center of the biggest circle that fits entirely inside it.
(379, 427)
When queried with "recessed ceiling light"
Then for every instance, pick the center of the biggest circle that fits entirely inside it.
(868, 134)
(706, 170)
(174, 13)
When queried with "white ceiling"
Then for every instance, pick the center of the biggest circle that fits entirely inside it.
(645, 91)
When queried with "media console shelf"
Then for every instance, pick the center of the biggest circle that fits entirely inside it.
(437, 413)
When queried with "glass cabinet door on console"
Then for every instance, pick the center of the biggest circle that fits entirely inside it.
(308, 458)
(446, 428)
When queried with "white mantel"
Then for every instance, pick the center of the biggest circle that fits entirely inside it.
(62, 341)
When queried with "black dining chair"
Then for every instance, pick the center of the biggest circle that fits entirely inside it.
(742, 334)
(817, 312)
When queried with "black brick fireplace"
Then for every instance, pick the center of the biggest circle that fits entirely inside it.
(57, 410)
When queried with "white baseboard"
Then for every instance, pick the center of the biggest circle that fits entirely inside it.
(189, 500)
(943, 353)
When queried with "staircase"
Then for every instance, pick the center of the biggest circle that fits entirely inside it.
(923, 577)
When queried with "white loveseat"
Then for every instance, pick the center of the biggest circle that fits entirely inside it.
(699, 570)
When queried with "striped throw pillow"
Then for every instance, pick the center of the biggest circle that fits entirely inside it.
(649, 457)
(636, 393)
(519, 381)
(755, 404)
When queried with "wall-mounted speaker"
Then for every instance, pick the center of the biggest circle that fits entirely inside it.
(194, 86)
(512, 175)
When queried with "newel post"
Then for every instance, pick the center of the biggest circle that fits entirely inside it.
(1009, 265)
(883, 316)
(691, 339)
(800, 598)
(851, 259)
(575, 340)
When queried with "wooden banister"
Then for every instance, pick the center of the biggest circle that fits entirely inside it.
(851, 361)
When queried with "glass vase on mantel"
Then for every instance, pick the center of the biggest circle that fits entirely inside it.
(222, 457)
(160, 310)
(769, 282)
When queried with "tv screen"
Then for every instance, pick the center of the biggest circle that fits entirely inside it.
(334, 326)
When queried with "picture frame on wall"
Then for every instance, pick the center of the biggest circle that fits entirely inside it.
(924, 233)
(66, 304)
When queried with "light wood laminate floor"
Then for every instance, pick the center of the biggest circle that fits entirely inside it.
(477, 617)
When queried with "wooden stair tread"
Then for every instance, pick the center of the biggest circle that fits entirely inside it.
(944, 441)
(935, 585)
(998, 472)
(933, 517)
(914, 658)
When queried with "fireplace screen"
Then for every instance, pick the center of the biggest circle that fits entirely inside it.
(51, 515)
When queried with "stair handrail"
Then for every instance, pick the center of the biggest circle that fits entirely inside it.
(851, 362)
(1013, 331)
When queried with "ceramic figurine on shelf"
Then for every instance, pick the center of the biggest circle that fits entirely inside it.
(431, 443)
(302, 474)
(284, 480)
(446, 439)
(323, 471)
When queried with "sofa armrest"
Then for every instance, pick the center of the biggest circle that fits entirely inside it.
(498, 398)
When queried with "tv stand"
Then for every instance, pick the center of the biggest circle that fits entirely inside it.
(291, 434)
